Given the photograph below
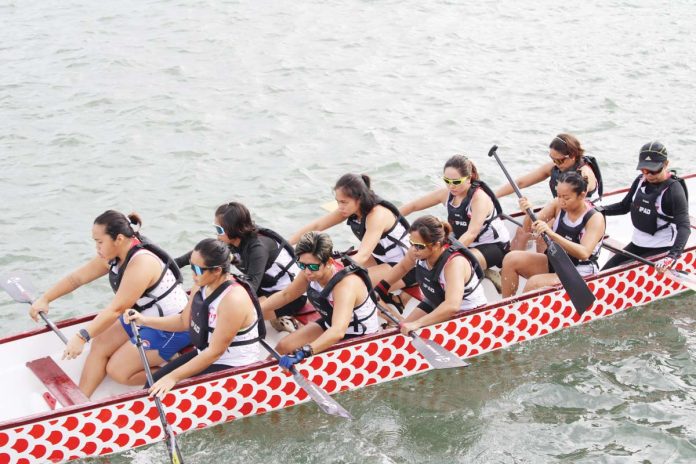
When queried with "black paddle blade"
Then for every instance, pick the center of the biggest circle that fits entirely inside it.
(578, 291)
(323, 400)
(19, 287)
(436, 355)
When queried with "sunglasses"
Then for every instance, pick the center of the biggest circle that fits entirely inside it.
(219, 230)
(198, 270)
(459, 181)
(647, 171)
(314, 267)
(558, 161)
(418, 246)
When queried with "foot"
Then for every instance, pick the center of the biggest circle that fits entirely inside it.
(285, 324)
(494, 277)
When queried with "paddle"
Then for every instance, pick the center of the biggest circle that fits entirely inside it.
(323, 400)
(436, 355)
(19, 287)
(685, 278)
(174, 454)
(573, 283)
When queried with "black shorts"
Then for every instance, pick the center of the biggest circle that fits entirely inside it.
(426, 307)
(290, 309)
(493, 253)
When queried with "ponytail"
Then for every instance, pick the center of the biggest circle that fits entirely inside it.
(117, 223)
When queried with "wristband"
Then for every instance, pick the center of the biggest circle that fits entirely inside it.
(84, 335)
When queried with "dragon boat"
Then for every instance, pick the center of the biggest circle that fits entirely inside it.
(45, 417)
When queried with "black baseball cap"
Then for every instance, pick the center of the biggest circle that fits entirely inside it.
(652, 156)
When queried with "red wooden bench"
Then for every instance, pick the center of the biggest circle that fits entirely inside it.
(59, 385)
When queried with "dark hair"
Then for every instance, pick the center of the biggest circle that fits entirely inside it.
(574, 179)
(463, 165)
(235, 218)
(118, 223)
(318, 244)
(357, 187)
(432, 229)
(567, 145)
(214, 253)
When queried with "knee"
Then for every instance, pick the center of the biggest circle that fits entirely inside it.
(512, 260)
(533, 283)
(99, 348)
(117, 372)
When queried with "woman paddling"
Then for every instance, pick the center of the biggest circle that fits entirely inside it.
(472, 211)
(222, 316)
(566, 155)
(576, 226)
(658, 202)
(265, 258)
(448, 273)
(340, 294)
(382, 230)
(143, 277)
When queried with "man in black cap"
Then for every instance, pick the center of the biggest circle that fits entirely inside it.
(659, 207)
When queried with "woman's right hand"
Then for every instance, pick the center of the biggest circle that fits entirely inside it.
(133, 315)
(525, 204)
(38, 305)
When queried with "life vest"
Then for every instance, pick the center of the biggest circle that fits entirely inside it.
(459, 216)
(358, 227)
(429, 279)
(115, 276)
(574, 234)
(644, 207)
(320, 299)
(592, 162)
(271, 280)
(200, 332)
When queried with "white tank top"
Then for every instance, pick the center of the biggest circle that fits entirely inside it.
(363, 310)
(280, 262)
(233, 355)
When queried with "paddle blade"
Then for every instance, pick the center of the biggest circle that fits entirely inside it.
(325, 402)
(573, 283)
(435, 354)
(19, 287)
(174, 454)
(685, 278)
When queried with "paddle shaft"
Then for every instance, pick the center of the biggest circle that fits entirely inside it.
(53, 327)
(173, 448)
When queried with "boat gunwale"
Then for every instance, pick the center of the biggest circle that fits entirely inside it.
(235, 371)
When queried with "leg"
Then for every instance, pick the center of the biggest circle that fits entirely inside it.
(479, 256)
(103, 346)
(126, 367)
(541, 280)
(300, 337)
(521, 263)
(520, 239)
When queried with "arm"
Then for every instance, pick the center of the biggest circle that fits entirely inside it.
(594, 231)
(323, 223)
(481, 206)
(255, 258)
(624, 206)
(531, 178)
(283, 297)
(92, 270)
(234, 310)
(674, 202)
(426, 201)
(546, 214)
(586, 171)
(347, 294)
(457, 271)
(172, 323)
(376, 222)
(184, 260)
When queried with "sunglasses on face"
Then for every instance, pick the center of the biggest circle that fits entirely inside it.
(219, 230)
(647, 171)
(314, 267)
(459, 181)
(418, 246)
(199, 270)
(558, 161)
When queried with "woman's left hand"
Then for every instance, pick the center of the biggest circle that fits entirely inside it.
(162, 386)
(541, 227)
(74, 347)
(408, 327)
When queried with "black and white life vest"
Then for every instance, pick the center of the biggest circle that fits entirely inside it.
(199, 329)
(117, 270)
(320, 299)
(389, 239)
(575, 234)
(272, 276)
(460, 216)
(429, 279)
(646, 208)
(592, 162)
